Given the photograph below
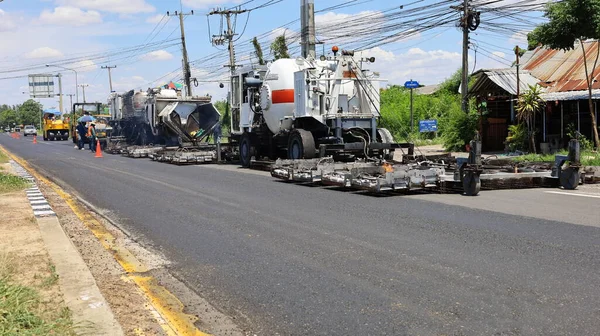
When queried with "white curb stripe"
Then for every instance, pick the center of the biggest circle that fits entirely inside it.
(38, 202)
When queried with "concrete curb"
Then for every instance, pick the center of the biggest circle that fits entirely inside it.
(82, 296)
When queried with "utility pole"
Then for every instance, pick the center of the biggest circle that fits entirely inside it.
(309, 39)
(83, 86)
(517, 63)
(464, 84)
(60, 95)
(70, 100)
(108, 67)
(187, 74)
(229, 34)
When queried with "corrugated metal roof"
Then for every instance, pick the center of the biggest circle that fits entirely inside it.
(570, 95)
(562, 71)
(506, 79)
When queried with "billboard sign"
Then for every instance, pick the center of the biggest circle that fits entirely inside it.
(41, 86)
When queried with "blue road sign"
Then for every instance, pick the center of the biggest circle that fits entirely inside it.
(428, 126)
(411, 84)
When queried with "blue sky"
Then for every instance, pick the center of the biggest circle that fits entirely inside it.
(87, 34)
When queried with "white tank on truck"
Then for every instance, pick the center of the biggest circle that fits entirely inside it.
(304, 108)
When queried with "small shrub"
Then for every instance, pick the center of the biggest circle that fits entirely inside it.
(460, 130)
(517, 137)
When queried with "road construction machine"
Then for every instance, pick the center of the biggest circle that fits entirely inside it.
(305, 108)
(53, 126)
(161, 116)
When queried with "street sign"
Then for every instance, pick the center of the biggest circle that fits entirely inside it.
(41, 86)
(428, 126)
(411, 84)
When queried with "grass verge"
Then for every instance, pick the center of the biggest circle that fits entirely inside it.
(10, 183)
(3, 157)
(22, 310)
(588, 158)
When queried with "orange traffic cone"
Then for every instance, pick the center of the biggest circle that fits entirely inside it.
(35, 139)
(98, 149)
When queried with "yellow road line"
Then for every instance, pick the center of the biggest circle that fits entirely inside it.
(170, 308)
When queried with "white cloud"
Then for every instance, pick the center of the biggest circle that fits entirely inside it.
(158, 55)
(207, 3)
(129, 83)
(70, 16)
(426, 67)
(84, 66)
(155, 19)
(44, 52)
(519, 38)
(6, 22)
(369, 23)
(112, 6)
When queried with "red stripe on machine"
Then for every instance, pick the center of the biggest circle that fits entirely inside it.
(283, 96)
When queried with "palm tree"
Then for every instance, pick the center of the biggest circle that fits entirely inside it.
(530, 103)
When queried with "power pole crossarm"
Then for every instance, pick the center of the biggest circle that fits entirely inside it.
(187, 74)
(229, 34)
(109, 67)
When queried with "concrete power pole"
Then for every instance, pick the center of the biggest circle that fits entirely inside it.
(70, 100)
(229, 34)
(187, 74)
(464, 84)
(60, 95)
(83, 86)
(307, 18)
(108, 67)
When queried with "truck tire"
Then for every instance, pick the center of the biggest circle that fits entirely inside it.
(301, 145)
(247, 150)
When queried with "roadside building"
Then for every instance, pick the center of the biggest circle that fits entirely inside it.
(561, 75)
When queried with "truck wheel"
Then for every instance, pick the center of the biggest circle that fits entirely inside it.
(301, 145)
(246, 150)
(471, 184)
(569, 178)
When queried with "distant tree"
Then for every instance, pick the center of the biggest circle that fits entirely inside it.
(570, 22)
(279, 48)
(8, 117)
(222, 107)
(29, 113)
(258, 51)
(528, 106)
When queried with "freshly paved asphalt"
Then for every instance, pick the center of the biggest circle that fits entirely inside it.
(296, 260)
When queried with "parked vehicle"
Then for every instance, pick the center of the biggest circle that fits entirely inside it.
(29, 130)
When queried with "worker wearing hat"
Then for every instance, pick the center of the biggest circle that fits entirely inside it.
(91, 135)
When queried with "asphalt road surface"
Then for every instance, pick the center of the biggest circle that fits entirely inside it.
(295, 260)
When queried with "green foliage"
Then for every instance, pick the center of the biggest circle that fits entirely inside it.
(529, 105)
(30, 112)
(460, 129)
(279, 48)
(452, 84)
(517, 137)
(8, 117)
(569, 21)
(23, 312)
(222, 107)
(258, 51)
(572, 133)
(455, 128)
(10, 183)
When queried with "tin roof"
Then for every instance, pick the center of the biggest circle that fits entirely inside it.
(562, 71)
(506, 79)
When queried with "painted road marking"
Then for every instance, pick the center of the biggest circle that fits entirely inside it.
(572, 194)
(36, 199)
